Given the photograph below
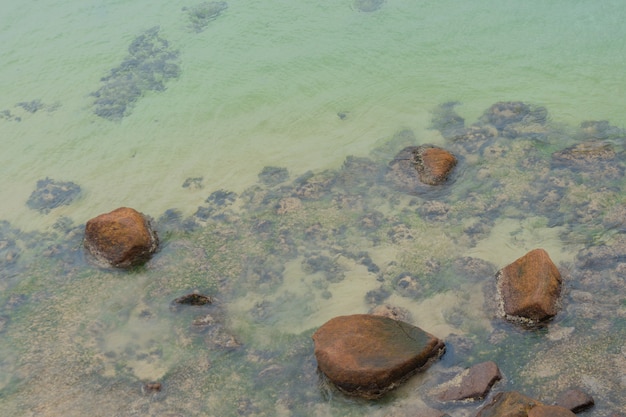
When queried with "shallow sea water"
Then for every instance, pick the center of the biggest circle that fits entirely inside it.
(303, 86)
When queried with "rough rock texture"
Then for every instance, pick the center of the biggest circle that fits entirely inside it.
(530, 287)
(575, 400)
(436, 164)
(122, 238)
(415, 166)
(586, 154)
(550, 411)
(508, 404)
(472, 384)
(367, 355)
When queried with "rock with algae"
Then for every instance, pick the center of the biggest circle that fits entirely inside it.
(151, 62)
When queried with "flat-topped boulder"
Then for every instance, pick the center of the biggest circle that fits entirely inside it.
(368, 355)
(122, 238)
(530, 287)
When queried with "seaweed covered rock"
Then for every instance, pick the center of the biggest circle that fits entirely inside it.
(50, 194)
(416, 166)
(201, 14)
(150, 63)
(530, 287)
(506, 113)
(368, 5)
(367, 355)
(122, 238)
(587, 154)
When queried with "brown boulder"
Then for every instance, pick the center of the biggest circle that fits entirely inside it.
(472, 384)
(530, 287)
(508, 404)
(416, 166)
(122, 238)
(367, 355)
(550, 411)
(434, 164)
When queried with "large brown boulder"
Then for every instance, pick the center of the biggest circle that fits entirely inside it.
(416, 166)
(367, 355)
(122, 238)
(530, 287)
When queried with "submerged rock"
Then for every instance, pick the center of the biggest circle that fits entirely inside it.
(51, 194)
(509, 404)
(202, 14)
(271, 176)
(150, 63)
(584, 155)
(368, 5)
(367, 355)
(575, 400)
(122, 238)
(505, 113)
(472, 384)
(530, 287)
(550, 411)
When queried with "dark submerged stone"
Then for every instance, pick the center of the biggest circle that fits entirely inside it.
(151, 62)
(51, 194)
(368, 5)
(202, 14)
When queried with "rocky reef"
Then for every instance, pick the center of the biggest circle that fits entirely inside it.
(220, 320)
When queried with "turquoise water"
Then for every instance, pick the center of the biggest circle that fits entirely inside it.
(264, 83)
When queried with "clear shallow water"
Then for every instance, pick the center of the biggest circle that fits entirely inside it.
(262, 85)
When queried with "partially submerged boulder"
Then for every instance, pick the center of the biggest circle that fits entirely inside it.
(122, 238)
(510, 404)
(367, 355)
(416, 166)
(471, 384)
(530, 287)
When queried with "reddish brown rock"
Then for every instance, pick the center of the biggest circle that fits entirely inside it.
(575, 400)
(367, 355)
(550, 411)
(530, 287)
(122, 238)
(434, 164)
(508, 404)
(416, 166)
(472, 384)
